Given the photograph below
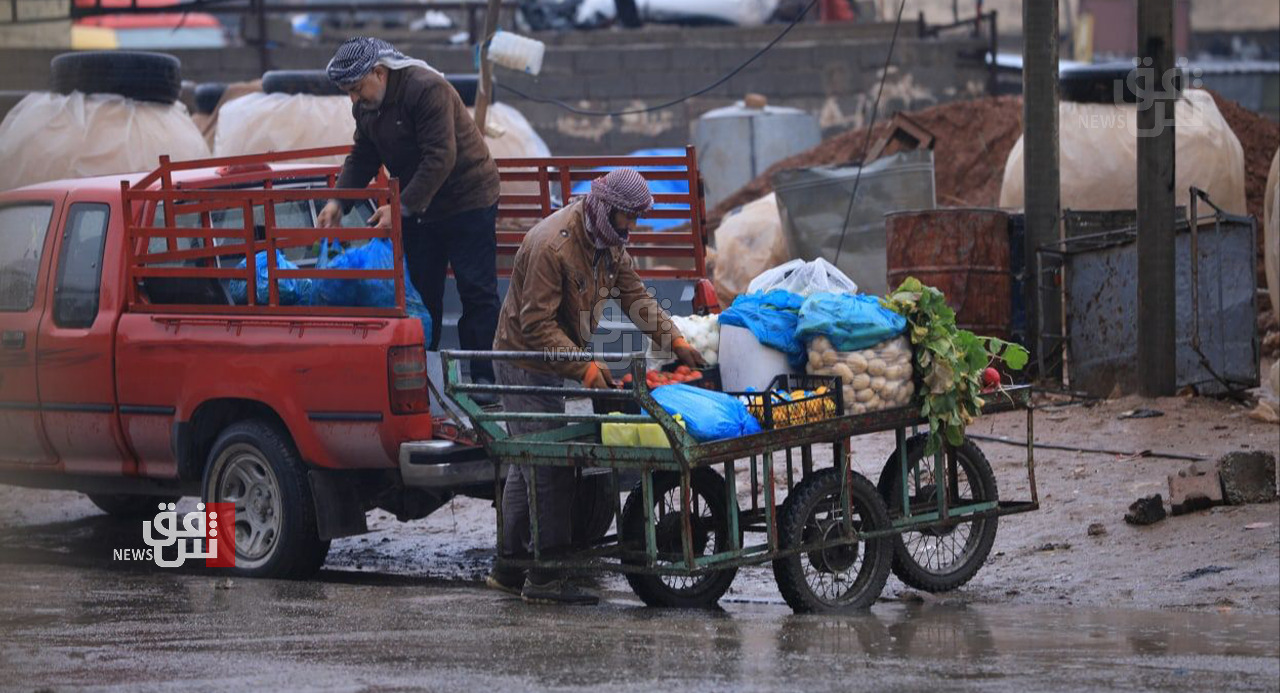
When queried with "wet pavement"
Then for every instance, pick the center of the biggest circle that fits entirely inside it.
(71, 626)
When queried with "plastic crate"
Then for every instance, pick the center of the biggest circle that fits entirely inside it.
(772, 410)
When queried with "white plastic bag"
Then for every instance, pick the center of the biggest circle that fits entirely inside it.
(804, 278)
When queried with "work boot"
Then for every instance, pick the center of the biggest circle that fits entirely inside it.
(556, 591)
(509, 580)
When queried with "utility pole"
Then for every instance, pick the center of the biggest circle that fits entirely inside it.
(1157, 309)
(1041, 175)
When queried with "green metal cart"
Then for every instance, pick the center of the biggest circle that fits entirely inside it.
(684, 531)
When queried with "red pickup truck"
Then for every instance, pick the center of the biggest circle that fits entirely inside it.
(129, 373)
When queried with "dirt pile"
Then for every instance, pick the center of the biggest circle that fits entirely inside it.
(973, 139)
(1260, 138)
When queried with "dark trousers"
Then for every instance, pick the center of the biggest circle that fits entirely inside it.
(467, 242)
(555, 484)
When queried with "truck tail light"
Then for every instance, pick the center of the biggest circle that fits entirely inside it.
(705, 301)
(407, 380)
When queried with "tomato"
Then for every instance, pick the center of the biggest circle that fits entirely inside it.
(626, 379)
(683, 370)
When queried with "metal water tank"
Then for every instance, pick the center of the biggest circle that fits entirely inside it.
(737, 143)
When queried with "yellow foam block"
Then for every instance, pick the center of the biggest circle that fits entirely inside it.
(647, 435)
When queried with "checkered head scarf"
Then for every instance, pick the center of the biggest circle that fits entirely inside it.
(623, 189)
(357, 57)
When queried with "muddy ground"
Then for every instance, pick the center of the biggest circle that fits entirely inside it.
(1225, 559)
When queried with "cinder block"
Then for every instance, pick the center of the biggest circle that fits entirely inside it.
(1248, 477)
(1195, 488)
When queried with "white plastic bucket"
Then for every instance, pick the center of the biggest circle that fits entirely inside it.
(517, 52)
(745, 362)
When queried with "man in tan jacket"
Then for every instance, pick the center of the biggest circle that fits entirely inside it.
(566, 270)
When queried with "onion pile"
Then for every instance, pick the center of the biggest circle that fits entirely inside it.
(880, 377)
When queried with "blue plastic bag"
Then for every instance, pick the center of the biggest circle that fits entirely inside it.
(772, 317)
(707, 415)
(371, 293)
(293, 292)
(850, 321)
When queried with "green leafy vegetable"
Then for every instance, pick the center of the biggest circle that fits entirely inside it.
(950, 360)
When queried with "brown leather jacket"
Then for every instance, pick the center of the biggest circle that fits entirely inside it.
(424, 136)
(559, 286)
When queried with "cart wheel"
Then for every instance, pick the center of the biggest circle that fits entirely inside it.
(709, 515)
(938, 560)
(843, 578)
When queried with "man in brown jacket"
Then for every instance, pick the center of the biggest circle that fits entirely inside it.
(566, 270)
(411, 120)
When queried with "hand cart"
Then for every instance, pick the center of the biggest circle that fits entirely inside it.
(683, 531)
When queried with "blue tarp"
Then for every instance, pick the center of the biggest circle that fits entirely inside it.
(850, 321)
(772, 317)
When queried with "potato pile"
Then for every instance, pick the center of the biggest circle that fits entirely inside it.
(876, 378)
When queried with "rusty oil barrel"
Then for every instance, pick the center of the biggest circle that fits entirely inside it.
(964, 253)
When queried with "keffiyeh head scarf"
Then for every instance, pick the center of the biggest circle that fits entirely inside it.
(357, 57)
(623, 189)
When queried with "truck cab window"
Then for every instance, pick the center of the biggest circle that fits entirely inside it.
(80, 265)
(23, 227)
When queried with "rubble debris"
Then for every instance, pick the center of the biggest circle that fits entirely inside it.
(1051, 546)
(1195, 488)
(1097, 529)
(1257, 525)
(1146, 511)
(1141, 414)
(1201, 572)
(1248, 477)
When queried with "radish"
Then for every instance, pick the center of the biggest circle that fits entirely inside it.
(991, 377)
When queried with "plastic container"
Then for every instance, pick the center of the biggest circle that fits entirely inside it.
(745, 363)
(739, 142)
(517, 52)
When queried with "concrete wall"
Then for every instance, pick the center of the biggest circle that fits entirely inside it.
(831, 71)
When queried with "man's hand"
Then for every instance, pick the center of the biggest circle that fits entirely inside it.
(330, 217)
(687, 354)
(381, 218)
(598, 377)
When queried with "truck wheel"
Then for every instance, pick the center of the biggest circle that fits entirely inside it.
(939, 560)
(710, 520)
(314, 82)
(132, 74)
(254, 466)
(841, 578)
(129, 507)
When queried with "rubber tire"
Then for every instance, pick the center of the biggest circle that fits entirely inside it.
(789, 573)
(313, 82)
(129, 507)
(136, 75)
(650, 588)
(1097, 83)
(592, 509)
(208, 95)
(978, 470)
(299, 552)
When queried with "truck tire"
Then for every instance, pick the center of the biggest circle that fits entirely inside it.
(129, 507)
(133, 74)
(313, 82)
(208, 95)
(254, 465)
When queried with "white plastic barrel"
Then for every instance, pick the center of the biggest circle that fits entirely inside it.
(517, 52)
(745, 362)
